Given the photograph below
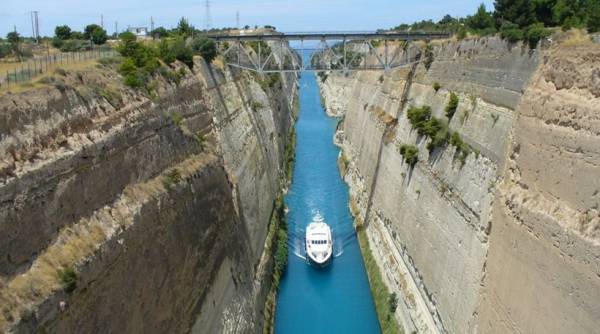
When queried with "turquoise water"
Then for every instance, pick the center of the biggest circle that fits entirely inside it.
(335, 299)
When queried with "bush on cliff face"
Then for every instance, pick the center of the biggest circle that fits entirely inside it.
(206, 48)
(141, 60)
(452, 105)
(418, 117)
(535, 33)
(410, 154)
(462, 149)
(68, 279)
(393, 302)
(428, 56)
(172, 177)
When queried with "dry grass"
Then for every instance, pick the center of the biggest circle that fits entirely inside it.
(219, 63)
(37, 81)
(573, 37)
(79, 242)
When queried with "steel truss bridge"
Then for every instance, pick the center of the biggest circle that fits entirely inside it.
(276, 52)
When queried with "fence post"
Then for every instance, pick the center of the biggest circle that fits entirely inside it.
(7, 79)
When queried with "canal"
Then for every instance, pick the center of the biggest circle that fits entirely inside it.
(336, 299)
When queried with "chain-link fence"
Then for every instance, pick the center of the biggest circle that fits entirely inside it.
(28, 70)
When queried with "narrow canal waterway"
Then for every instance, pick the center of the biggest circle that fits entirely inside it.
(336, 299)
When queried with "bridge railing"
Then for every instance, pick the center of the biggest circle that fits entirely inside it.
(330, 35)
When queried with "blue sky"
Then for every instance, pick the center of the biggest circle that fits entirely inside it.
(286, 15)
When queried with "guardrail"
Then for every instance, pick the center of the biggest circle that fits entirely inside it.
(26, 71)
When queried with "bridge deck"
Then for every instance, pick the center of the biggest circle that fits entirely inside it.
(345, 35)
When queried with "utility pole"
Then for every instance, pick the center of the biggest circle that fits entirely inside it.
(151, 24)
(116, 29)
(208, 19)
(237, 19)
(37, 27)
(32, 25)
(102, 20)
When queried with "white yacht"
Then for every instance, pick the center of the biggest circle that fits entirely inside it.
(319, 243)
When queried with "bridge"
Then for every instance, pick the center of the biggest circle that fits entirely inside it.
(270, 52)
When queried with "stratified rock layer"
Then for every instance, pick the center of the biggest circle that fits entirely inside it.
(507, 240)
(159, 200)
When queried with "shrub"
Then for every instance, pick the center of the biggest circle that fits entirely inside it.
(418, 116)
(177, 119)
(511, 32)
(462, 149)
(436, 86)
(452, 105)
(170, 75)
(5, 50)
(593, 22)
(393, 302)
(535, 33)
(455, 140)
(428, 56)
(206, 48)
(173, 177)
(322, 76)
(182, 52)
(461, 34)
(438, 131)
(68, 279)
(410, 154)
(200, 139)
(256, 106)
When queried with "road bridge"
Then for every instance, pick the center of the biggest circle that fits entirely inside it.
(270, 52)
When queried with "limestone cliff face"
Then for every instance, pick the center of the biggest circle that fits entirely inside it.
(470, 245)
(160, 200)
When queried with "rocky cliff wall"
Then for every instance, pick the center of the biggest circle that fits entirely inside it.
(434, 227)
(159, 199)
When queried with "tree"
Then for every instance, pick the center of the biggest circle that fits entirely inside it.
(206, 48)
(99, 36)
(184, 28)
(14, 39)
(76, 35)
(543, 11)
(95, 33)
(446, 19)
(481, 20)
(182, 52)
(593, 21)
(128, 46)
(520, 12)
(569, 13)
(535, 33)
(159, 32)
(62, 32)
